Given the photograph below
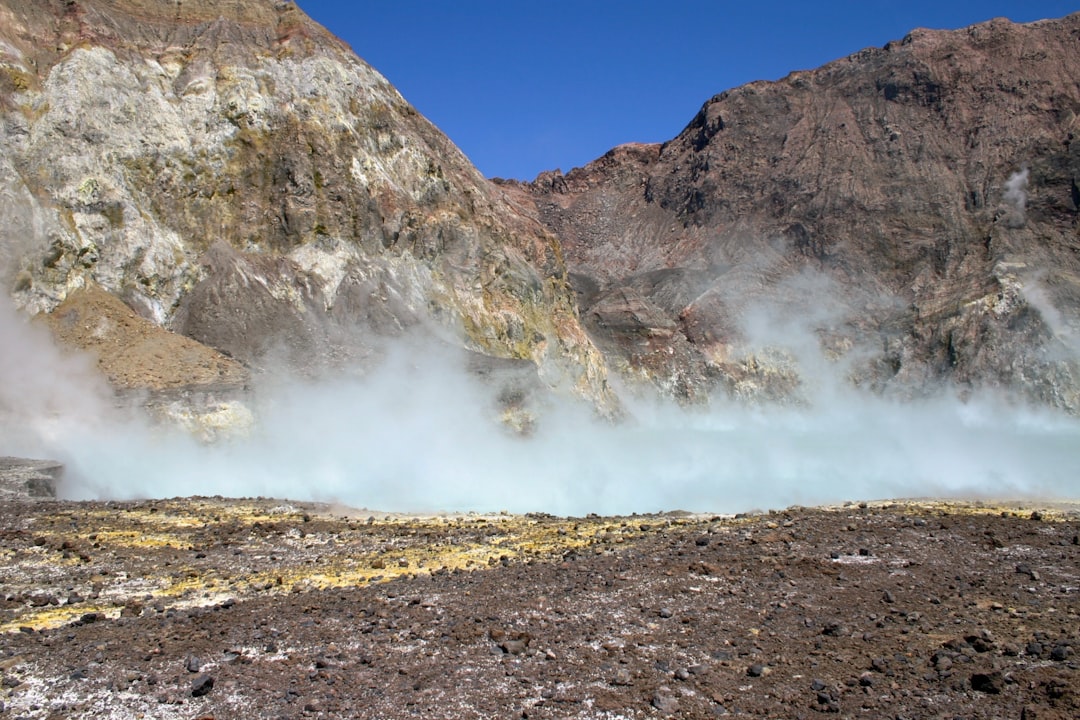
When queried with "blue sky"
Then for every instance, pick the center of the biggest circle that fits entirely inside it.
(523, 86)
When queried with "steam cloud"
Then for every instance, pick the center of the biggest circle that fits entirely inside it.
(419, 434)
(1016, 197)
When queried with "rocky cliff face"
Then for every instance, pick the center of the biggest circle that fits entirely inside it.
(911, 211)
(236, 175)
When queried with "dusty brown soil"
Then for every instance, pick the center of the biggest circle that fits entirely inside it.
(211, 608)
(134, 353)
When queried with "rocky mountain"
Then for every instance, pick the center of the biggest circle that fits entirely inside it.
(236, 176)
(908, 214)
(197, 191)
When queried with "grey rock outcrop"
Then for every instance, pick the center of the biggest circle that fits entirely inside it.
(23, 479)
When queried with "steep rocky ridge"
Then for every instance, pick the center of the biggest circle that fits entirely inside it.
(915, 207)
(236, 175)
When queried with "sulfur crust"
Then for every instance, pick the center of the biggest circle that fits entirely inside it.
(462, 543)
(171, 524)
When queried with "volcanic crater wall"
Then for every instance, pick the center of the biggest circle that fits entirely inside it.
(916, 205)
(235, 174)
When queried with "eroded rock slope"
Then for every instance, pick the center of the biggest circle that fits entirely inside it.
(235, 174)
(911, 209)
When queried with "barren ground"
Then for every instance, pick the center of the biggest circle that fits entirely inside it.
(212, 608)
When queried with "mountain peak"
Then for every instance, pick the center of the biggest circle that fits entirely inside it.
(235, 174)
(927, 188)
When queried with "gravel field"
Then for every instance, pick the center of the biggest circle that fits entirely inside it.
(214, 608)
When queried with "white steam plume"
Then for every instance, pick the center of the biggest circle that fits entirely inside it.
(47, 398)
(419, 434)
(1016, 197)
(1036, 295)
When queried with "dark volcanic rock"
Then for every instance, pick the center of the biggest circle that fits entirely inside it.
(202, 685)
(988, 682)
(913, 208)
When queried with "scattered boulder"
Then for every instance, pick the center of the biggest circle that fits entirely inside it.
(988, 682)
(202, 685)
